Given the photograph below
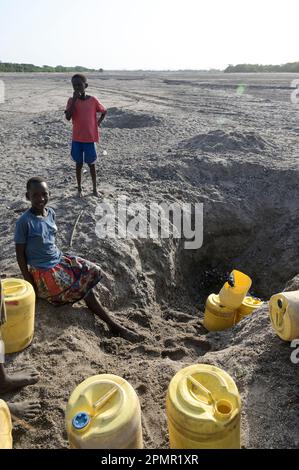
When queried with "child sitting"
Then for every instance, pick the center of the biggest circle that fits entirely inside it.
(57, 277)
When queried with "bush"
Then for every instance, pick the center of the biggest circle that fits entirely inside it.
(291, 67)
(11, 67)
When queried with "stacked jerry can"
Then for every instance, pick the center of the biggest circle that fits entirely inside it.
(231, 305)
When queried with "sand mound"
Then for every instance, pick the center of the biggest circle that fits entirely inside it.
(121, 119)
(221, 141)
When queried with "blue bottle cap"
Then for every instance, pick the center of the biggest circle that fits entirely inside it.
(81, 420)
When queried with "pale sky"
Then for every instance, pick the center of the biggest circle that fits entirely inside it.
(149, 34)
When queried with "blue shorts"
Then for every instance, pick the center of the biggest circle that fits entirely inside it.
(84, 152)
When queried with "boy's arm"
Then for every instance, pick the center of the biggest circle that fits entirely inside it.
(102, 117)
(100, 109)
(22, 262)
(70, 109)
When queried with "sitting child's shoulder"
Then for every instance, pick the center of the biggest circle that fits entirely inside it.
(25, 215)
(28, 214)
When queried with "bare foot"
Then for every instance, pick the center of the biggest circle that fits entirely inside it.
(125, 333)
(25, 409)
(19, 379)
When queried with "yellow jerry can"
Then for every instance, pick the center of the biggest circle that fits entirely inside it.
(5, 426)
(284, 314)
(19, 297)
(233, 293)
(248, 306)
(103, 412)
(203, 409)
(217, 317)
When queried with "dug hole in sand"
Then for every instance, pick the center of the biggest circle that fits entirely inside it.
(192, 141)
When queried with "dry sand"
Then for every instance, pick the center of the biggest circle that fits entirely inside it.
(168, 137)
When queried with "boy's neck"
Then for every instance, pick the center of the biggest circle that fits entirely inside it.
(41, 213)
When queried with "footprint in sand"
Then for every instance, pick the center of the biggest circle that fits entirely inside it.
(199, 346)
(141, 319)
(147, 351)
(106, 189)
(177, 349)
(175, 354)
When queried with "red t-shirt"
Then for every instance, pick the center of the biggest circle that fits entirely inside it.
(84, 118)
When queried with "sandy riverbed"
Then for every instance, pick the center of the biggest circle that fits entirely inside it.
(172, 137)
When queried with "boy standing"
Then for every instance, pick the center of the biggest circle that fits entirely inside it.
(83, 109)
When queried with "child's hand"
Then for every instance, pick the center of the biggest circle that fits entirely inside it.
(101, 118)
(76, 95)
(29, 278)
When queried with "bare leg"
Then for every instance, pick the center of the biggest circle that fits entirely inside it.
(94, 305)
(25, 409)
(17, 380)
(93, 175)
(78, 176)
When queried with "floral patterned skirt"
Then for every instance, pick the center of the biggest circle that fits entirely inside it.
(69, 281)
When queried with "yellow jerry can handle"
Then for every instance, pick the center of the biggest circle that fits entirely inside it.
(15, 286)
(203, 389)
(105, 398)
(222, 408)
(279, 314)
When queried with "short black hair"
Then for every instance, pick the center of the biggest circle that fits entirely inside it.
(34, 180)
(80, 76)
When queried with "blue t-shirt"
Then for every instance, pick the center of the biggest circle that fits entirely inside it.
(38, 234)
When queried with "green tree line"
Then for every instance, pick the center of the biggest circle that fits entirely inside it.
(10, 67)
(291, 67)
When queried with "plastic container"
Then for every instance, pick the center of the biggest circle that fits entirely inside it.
(5, 426)
(284, 314)
(248, 306)
(203, 409)
(233, 296)
(19, 297)
(103, 412)
(216, 316)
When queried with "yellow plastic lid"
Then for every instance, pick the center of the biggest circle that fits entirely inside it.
(250, 301)
(249, 304)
